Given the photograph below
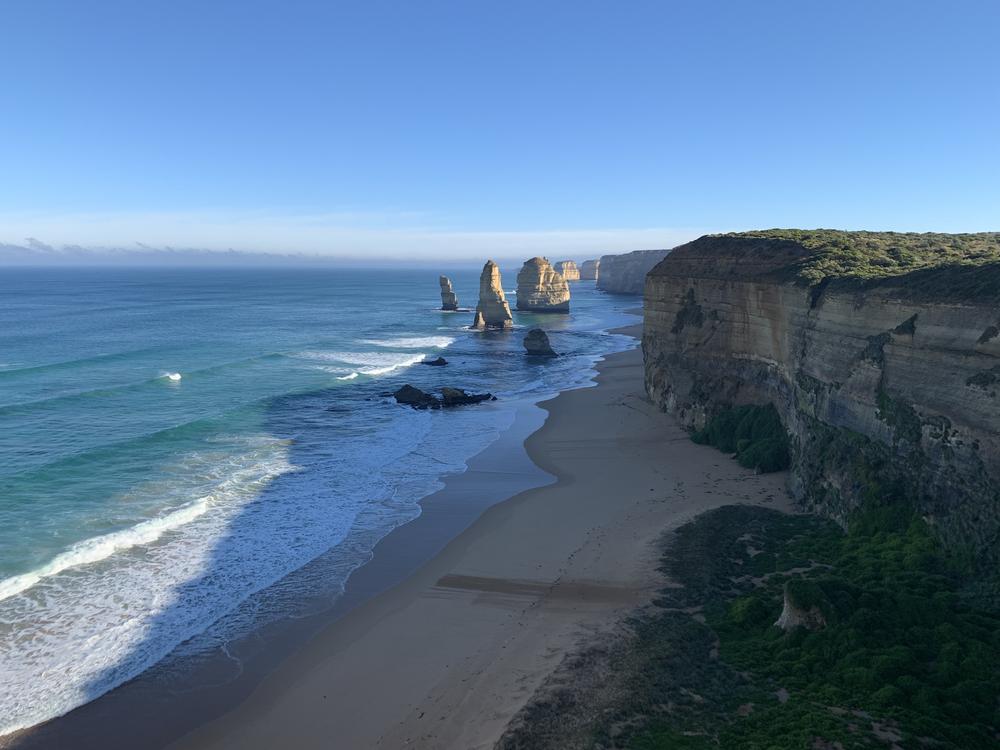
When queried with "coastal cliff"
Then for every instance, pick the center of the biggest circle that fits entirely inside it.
(880, 351)
(589, 270)
(540, 288)
(626, 274)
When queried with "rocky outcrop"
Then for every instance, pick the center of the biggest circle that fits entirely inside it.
(626, 274)
(883, 364)
(540, 288)
(436, 362)
(449, 301)
(590, 270)
(568, 270)
(536, 343)
(802, 607)
(492, 310)
(418, 399)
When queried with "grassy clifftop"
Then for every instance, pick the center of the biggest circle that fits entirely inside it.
(929, 264)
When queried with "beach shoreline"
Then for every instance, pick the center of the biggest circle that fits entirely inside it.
(447, 658)
(465, 610)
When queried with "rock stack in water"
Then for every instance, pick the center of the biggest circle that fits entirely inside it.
(537, 343)
(492, 312)
(448, 299)
(568, 270)
(540, 288)
(589, 270)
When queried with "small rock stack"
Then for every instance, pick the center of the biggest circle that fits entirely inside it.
(589, 270)
(448, 299)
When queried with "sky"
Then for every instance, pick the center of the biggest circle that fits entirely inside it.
(426, 129)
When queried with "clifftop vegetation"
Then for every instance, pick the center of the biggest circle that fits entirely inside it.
(930, 264)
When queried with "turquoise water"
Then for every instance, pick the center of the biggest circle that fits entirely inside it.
(173, 441)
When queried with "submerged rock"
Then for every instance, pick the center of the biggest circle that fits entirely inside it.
(458, 397)
(492, 312)
(590, 270)
(568, 270)
(536, 343)
(540, 288)
(416, 398)
(439, 362)
(449, 301)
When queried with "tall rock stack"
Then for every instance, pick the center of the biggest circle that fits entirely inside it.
(492, 312)
(589, 270)
(448, 299)
(568, 270)
(540, 288)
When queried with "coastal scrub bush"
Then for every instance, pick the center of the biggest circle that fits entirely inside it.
(754, 433)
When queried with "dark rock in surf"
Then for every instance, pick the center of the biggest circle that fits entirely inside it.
(439, 362)
(416, 398)
(458, 397)
(536, 344)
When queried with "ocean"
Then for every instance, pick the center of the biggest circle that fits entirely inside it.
(175, 442)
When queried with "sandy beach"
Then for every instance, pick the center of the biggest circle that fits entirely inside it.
(446, 658)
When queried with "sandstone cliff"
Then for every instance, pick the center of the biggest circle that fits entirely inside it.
(626, 274)
(880, 351)
(492, 310)
(568, 270)
(540, 288)
(589, 270)
(449, 301)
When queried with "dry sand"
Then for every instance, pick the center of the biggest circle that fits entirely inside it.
(446, 658)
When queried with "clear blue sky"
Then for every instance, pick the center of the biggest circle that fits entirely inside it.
(327, 126)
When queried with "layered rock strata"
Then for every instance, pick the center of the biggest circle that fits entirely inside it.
(590, 270)
(626, 274)
(492, 312)
(568, 270)
(540, 288)
(449, 300)
(880, 351)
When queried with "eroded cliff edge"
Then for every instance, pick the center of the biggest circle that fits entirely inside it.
(881, 352)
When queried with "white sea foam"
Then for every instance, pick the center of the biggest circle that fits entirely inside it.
(98, 548)
(365, 363)
(348, 376)
(119, 603)
(415, 342)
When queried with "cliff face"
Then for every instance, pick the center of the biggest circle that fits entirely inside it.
(626, 274)
(886, 374)
(492, 310)
(540, 288)
(589, 270)
(568, 270)
(448, 299)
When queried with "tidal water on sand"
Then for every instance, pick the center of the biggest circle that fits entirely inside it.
(174, 442)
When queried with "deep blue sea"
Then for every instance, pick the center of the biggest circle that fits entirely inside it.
(174, 441)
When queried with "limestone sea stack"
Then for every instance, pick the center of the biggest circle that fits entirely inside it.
(492, 312)
(536, 343)
(589, 270)
(568, 270)
(540, 288)
(448, 299)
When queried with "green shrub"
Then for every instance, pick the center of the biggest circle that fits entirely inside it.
(753, 433)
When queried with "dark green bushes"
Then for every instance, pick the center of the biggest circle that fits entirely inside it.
(754, 433)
